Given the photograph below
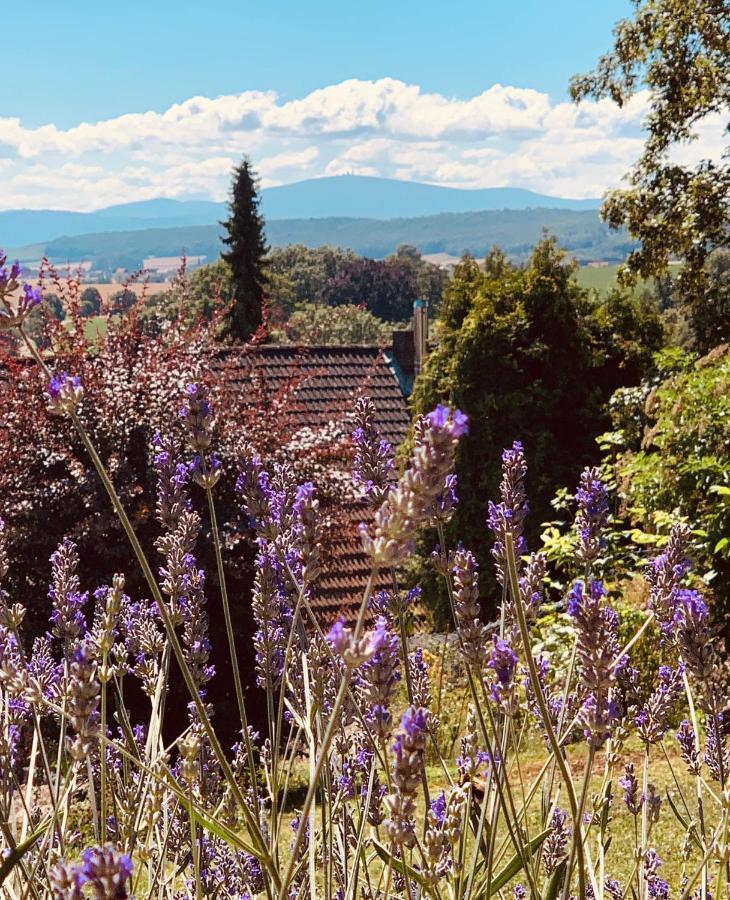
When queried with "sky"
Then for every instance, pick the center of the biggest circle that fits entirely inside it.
(108, 102)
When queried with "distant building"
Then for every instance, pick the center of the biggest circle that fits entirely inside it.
(168, 265)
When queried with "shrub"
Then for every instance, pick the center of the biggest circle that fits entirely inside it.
(529, 354)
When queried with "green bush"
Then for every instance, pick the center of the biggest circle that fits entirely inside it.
(529, 355)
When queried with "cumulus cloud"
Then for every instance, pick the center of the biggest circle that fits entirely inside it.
(503, 136)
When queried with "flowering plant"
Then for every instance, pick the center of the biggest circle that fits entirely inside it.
(189, 817)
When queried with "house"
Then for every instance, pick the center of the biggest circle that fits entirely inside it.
(329, 380)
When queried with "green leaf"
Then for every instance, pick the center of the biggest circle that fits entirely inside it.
(511, 869)
(224, 833)
(18, 852)
(400, 866)
(556, 882)
(721, 545)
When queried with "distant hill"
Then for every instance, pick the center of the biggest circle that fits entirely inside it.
(360, 196)
(516, 231)
(346, 196)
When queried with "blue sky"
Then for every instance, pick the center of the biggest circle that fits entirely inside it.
(81, 61)
(115, 101)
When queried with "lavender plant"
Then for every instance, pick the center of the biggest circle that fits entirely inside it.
(94, 804)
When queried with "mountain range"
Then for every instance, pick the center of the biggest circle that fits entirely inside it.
(342, 196)
(515, 231)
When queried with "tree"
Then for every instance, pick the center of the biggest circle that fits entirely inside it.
(679, 50)
(430, 280)
(313, 324)
(299, 274)
(386, 289)
(529, 355)
(90, 302)
(710, 316)
(247, 249)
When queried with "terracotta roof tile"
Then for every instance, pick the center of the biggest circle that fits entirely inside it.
(328, 381)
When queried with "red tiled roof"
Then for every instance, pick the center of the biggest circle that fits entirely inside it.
(328, 381)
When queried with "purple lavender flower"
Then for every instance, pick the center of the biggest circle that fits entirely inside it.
(378, 680)
(305, 537)
(172, 480)
(197, 415)
(687, 740)
(67, 882)
(503, 662)
(665, 573)
(717, 757)
(107, 873)
(472, 633)
(83, 702)
(614, 889)
(419, 671)
(553, 851)
(438, 809)
(373, 469)
(355, 652)
(508, 516)
(408, 750)
(30, 299)
(653, 719)
(64, 393)
(410, 503)
(657, 888)
(592, 497)
(694, 638)
(597, 649)
(471, 761)
(272, 615)
(633, 800)
(67, 601)
(8, 277)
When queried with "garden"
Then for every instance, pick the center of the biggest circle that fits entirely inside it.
(287, 612)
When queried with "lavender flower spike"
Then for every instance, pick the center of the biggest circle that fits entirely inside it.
(64, 393)
(373, 469)
(592, 497)
(410, 503)
(509, 514)
(197, 415)
(356, 652)
(471, 631)
(597, 648)
(107, 873)
(408, 749)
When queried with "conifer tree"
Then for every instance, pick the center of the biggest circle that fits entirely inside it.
(246, 251)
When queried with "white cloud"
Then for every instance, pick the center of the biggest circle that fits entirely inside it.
(503, 136)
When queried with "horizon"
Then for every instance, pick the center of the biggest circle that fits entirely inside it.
(343, 175)
(147, 111)
(396, 91)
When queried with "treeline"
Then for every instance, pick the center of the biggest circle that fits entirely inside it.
(516, 231)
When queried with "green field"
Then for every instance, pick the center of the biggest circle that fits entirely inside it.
(604, 278)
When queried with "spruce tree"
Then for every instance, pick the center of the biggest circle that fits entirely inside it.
(247, 249)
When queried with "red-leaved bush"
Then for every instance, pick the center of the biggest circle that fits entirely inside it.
(132, 371)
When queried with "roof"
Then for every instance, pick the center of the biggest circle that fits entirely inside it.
(329, 380)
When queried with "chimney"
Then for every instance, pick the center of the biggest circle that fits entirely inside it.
(409, 347)
(420, 334)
